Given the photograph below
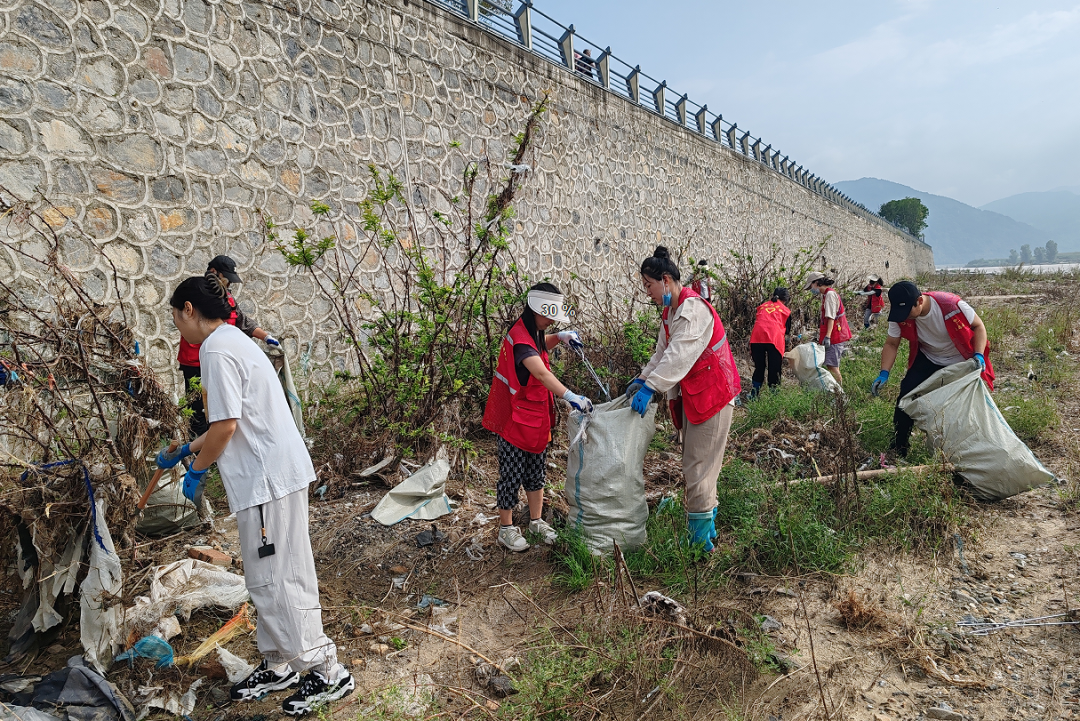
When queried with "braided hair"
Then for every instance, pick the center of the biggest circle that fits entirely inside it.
(207, 295)
(659, 264)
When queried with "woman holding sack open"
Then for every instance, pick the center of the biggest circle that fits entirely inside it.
(694, 366)
(521, 409)
(833, 332)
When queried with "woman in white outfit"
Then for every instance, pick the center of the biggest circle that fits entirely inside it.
(266, 470)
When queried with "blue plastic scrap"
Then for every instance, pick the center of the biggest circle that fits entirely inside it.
(154, 648)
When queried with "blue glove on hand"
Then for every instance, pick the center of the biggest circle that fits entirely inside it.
(270, 340)
(193, 485)
(981, 360)
(641, 401)
(571, 338)
(632, 389)
(879, 382)
(702, 528)
(578, 403)
(166, 460)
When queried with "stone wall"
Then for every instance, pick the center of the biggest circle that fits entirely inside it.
(158, 128)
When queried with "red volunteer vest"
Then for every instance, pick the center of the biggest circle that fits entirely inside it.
(522, 415)
(188, 355)
(841, 333)
(713, 380)
(770, 326)
(876, 303)
(959, 331)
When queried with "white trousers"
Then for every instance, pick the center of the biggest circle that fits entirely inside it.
(703, 457)
(284, 587)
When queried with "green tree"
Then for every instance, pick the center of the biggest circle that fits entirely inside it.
(1051, 251)
(1025, 253)
(1040, 255)
(1014, 257)
(909, 213)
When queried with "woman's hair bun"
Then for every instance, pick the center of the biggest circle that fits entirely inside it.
(661, 252)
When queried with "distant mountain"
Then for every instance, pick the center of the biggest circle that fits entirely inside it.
(1056, 213)
(957, 231)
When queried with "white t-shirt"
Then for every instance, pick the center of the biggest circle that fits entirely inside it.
(266, 459)
(934, 340)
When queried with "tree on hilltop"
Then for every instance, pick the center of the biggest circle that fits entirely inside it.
(909, 213)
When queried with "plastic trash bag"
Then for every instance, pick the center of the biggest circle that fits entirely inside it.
(605, 486)
(183, 586)
(99, 622)
(421, 496)
(955, 410)
(806, 361)
(167, 511)
(154, 648)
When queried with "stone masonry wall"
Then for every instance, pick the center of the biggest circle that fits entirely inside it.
(159, 127)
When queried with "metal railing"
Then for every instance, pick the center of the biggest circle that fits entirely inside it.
(521, 23)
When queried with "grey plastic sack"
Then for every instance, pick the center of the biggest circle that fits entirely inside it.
(604, 483)
(806, 361)
(954, 408)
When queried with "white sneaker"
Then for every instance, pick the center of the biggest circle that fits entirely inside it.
(542, 529)
(511, 538)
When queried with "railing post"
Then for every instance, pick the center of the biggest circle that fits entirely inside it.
(566, 43)
(718, 129)
(603, 65)
(731, 135)
(756, 147)
(658, 98)
(745, 142)
(765, 157)
(702, 121)
(473, 8)
(523, 18)
(680, 109)
(632, 85)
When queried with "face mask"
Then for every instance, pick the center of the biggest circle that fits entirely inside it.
(667, 295)
(815, 290)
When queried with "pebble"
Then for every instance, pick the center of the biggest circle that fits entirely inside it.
(944, 714)
(380, 649)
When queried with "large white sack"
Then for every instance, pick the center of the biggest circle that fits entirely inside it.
(807, 361)
(604, 483)
(954, 408)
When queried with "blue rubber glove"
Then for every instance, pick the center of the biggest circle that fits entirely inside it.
(571, 338)
(578, 403)
(193, 485)
(879, 382)
(271, 340)
(981, 360)
(632, 389)
(641, 401)
(166, 460)
(702, 528)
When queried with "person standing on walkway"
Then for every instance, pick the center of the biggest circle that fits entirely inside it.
(266, 470)
(833, 331)
(875, 301)
(768, 339)
(521, 410)
(693, 365)
(941, 330)
(224, 268)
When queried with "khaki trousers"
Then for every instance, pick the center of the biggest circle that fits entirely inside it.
(284, 587)
(703, 456)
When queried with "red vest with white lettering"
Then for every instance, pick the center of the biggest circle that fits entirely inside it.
(841, 333)
(959, 331)
(188, 355)
(770, 326)
(522, 415)
(713, 380)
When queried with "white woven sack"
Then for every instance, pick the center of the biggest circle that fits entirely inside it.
(806, 361)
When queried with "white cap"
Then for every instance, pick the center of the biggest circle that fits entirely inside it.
(550, 305)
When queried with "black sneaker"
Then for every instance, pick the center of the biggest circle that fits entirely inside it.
(316, 690)
(262, 681)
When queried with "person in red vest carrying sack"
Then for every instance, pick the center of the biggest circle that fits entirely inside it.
(521, 409)
(768, 339)
(874, 303)
(941, 330)
(224, 268)
(833, 333)
(693, 365)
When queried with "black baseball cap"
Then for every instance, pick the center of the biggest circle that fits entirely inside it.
(226, 266)
(902, 298)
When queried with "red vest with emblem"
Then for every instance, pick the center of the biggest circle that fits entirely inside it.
(959, 331)
(713, 380)
(875, 302)
(841, 333)
(770, 326)
(188, 355)
(522, 415)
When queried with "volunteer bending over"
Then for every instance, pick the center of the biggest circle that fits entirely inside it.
(521, 410)
(266, 470)
(694, 367)
(941, 330)
(768, 339)
(833, 332)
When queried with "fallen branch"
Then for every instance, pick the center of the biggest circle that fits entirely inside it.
(864, 475)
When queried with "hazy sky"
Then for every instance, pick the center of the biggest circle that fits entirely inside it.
(974, 100)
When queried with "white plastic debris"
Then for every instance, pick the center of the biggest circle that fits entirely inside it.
(236, 668)
(99, 621)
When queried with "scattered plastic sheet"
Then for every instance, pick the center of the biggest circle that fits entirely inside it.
(100, 620)
(421, 496)
(154, 648)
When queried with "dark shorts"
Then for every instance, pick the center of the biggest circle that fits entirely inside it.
(833, 353)
(518, 468)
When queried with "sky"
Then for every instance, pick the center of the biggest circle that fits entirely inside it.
(972, 100)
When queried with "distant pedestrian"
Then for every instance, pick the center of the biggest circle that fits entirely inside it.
(833, 333)
(875, 302)
(584, 63)
(768, 339)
